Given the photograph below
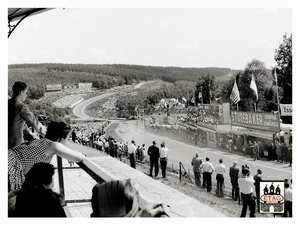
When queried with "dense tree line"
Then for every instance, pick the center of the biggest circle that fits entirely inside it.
(196, 85)
(105, 76)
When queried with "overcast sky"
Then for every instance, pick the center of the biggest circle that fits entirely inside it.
(198, 37)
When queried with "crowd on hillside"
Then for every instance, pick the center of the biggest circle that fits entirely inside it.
(198, 118)
(53, 96)
(88, 133)
(106, 106)
(67, 101)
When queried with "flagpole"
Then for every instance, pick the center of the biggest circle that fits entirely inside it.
(237, 106)
(209, 93)
(278, 106)
(201, 96)
(187, 97)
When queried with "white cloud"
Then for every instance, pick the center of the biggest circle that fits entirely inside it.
(266, 11)
(75, 15)
(27, 24)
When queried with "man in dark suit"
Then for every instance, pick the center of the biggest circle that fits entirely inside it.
(233, 173)
(153, 152)
(257, 178)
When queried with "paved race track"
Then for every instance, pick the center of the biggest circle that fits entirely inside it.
(181, 152)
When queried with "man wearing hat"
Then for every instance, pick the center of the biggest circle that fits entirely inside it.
(196, 162)
(247, 189)
(153, 152)
(207, 169)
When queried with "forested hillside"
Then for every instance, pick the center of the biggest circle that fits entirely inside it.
(103, 76)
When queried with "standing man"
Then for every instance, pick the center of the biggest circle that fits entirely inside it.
(281, 136)
(291, 138)
(288, 196)
(247, 188)
(196, 163)
(163, 155)
(207, 169)
(230, 144)
(220, 170)
(18, 114)
(132, 153)
(153, 152)
(256, 151)
(257, 178)
(234, 176)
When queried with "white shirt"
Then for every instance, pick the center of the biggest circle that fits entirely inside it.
(246, 185)
(131, 149)
(288, 194)
(163, 152)
(207, 167)
(220, 168)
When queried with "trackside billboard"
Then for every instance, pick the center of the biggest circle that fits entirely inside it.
(256, 120)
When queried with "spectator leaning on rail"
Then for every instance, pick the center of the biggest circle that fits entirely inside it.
(196, 163)
(22, 157)
(18, 114)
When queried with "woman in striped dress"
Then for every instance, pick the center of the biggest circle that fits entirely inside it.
(22, 157)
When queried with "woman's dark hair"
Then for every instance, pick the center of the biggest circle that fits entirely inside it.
(40, 174)
(56, 131)
(18, 87)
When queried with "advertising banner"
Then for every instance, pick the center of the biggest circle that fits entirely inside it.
(255, 120)
(53, 87)
(286, 109)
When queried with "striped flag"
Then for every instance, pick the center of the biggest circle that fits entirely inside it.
(254, 87)
(235, 94)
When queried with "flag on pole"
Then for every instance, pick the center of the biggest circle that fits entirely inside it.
(235, 94)
(275, 75)
(254, 87)
(183, 98)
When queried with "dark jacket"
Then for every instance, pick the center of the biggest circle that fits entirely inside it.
(153, 152)
(233, 173)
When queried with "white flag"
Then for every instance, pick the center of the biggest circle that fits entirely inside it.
(254, 87)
